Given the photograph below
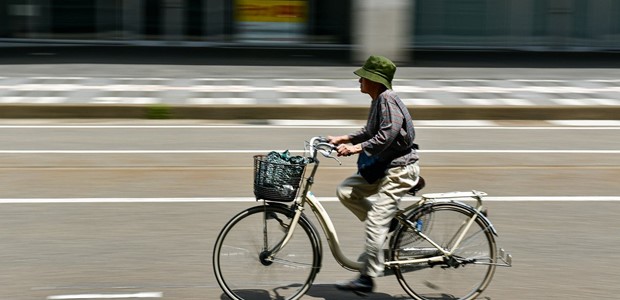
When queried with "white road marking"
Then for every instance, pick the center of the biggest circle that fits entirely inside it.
(457, 123)
(526, 151)
(604, 80)
(46, 87)
(125, 100)
(584, 198)
(319, 123)
(221, 79)
(305, 79)
(107, 296)
(57, 78)
(222, 101)
(422, 124)
(297, 88)
(569, 102)
(477, 101)
(421, 101)
(602, 101)
(24, 99)
(324, 79)
(585, 122)
(516, 127)
(311, 101)
(461, 80)
(516, 102)
(141, 78)
(554, 198)
(224, 151)
(139, 151)
(310, 89)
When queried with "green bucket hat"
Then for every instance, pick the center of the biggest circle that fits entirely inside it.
(378, 69)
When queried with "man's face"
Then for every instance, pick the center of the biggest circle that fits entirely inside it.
(365, 85)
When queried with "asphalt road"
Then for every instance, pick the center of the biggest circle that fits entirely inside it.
(71, 220)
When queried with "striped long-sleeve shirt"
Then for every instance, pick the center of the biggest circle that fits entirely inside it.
(389, 131)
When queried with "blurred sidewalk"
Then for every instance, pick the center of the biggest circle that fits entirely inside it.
(241, 83)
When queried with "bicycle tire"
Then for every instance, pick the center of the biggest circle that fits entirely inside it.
(450, 279)
(238, 256)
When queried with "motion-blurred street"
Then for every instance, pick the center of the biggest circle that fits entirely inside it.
(100, 207)
(130, 208)
(128, 128)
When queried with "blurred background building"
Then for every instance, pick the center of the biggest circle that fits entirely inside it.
(390, 27)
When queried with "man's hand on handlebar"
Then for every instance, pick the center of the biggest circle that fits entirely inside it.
(347, 150)
(343, 148)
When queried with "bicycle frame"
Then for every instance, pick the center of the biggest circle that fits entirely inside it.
(332, 237)
(325, 221)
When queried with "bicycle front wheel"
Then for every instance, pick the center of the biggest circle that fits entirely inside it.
(241, 263)
(465, 274)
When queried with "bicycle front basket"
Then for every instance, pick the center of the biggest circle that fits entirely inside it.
(276, 181)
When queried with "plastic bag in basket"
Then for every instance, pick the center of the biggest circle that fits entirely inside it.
(280, 173)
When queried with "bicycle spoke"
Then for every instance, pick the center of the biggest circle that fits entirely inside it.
(291, 263)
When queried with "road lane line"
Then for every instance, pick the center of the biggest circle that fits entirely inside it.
(130, 200)
(585, 151)
(526, 151)
(588, 123)
(584, 198)
(139, 151)
(107, 296)
(346, 124)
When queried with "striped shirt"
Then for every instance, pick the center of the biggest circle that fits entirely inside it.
(389, 131)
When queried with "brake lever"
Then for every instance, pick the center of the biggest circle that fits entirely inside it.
(334, 158)
(328, 155)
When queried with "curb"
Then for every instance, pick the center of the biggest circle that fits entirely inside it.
(262, 112)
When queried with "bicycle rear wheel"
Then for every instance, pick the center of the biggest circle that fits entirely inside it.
(466, 274)
(241, 264)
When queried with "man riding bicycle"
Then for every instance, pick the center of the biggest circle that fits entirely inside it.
(387, 165)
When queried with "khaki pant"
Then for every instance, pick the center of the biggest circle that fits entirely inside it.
(354, 191)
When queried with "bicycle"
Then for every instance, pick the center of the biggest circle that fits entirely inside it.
(441, 248)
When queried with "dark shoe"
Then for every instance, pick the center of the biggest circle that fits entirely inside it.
(361, 286)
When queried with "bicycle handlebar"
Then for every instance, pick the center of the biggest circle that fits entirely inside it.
(321, 145)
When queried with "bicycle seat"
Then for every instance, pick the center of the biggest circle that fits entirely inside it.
(416, 188)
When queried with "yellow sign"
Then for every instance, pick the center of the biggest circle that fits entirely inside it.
(291, 11)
